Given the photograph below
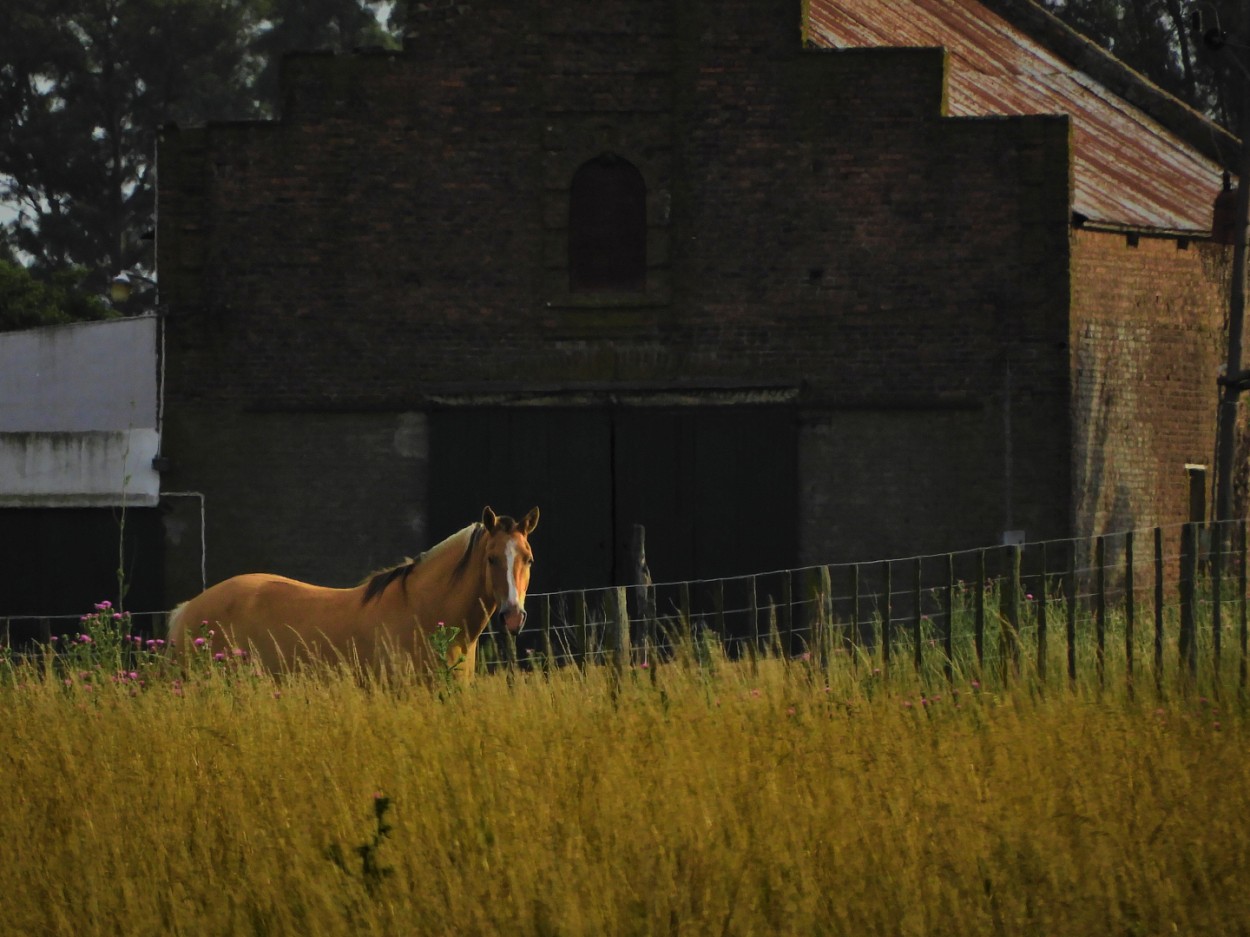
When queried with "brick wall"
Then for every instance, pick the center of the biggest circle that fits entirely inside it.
(813, 220)
(1147, 342)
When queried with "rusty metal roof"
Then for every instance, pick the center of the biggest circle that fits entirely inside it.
(1128, 169)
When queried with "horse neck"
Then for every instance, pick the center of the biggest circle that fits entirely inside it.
(468, 599)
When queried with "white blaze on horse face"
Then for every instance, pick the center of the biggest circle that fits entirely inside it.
(514, 604)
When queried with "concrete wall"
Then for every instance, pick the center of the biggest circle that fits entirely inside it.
(78, 415)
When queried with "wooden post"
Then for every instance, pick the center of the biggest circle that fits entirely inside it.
(683, 602)
(619, 619)
(754, 611)
(581, 627)
(887, 616)
(1187, 587)
(1130, 611)
(1009, 604)
(787, 604)
(644, 595)
(545, 622)
(1241, 600)
(853, 640)
(916, 620)
(1158, 657)
(1100, 607)
(978, 628)
(948, 618)
(1217, 593)
(509, 655)
(1071, 630)
(1042, 595)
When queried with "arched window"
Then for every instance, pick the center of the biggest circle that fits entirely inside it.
(607, 226)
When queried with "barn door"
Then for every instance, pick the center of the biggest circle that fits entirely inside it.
(515, 458)
(715, 488)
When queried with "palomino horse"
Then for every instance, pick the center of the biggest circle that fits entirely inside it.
(461, 583)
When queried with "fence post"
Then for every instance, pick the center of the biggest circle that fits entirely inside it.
(509, 655)
(886, 617)
(545, 628)
(1186, 587)
(619, 617)
(1241, 599)
(948, 616)
(854, 640)
(917, 637)
(1043, 594)
(1009, 605)
(787, 602)
(1130, 612)
(1217, 593)
(753, 607)
(1071, 623)
(1158, 656)
(581, 627)
(978, 626)
(1100, 607)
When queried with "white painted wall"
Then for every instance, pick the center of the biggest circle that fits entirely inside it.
(78, 415)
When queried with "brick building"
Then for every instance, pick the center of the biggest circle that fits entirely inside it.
(784, 282)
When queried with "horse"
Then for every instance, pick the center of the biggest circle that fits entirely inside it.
(460, 583)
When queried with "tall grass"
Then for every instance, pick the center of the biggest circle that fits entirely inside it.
(709, 796)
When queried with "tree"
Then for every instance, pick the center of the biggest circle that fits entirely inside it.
(85, 85)
(1158, 38)
(27, 301)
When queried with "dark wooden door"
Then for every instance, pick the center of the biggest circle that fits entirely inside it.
(715, 488)
(516, 458)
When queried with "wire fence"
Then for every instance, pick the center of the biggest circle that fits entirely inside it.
(1139, 602)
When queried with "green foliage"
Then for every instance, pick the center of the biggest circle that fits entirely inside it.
(86, 84)
(1157, 38)
(28, 301)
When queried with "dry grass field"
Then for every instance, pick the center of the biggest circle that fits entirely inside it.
(735, 798)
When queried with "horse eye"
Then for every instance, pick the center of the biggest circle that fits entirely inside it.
(493, 560)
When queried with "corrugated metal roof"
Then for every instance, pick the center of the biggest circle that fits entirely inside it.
(1128, 169)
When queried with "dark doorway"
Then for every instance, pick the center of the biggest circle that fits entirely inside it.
(56, 563)
(714, 486)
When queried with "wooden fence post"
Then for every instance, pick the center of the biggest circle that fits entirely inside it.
(1217, 593)
(1100, 607)
(1241, 600)
(855, 638)
(887, 616)
(1187, 587)
(581, 627)
(545, 628)
(1130, 612)
(619, 619)
(978, 627)
(1043, 594)
(1071, 623)
(948, 617)
(917, 619)
(787, 603)
(1158, 656)
(1009, 617)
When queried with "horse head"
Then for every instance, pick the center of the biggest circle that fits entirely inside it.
(508, 562)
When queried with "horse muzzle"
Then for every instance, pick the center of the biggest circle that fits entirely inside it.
(512, 618)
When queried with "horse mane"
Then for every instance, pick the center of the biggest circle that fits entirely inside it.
(377, 583)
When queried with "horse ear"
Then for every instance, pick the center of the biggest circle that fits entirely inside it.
(489, 519)
(529, 522)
